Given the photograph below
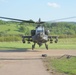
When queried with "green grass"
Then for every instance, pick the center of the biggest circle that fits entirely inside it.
(62, 65)
(67, 43)
(13, 45)
(9, 29)
(12, 29)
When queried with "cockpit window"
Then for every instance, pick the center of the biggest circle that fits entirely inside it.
(39, 29)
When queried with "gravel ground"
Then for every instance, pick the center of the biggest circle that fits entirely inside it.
(27, 62)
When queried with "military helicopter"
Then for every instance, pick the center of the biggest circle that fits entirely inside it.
(39, 35)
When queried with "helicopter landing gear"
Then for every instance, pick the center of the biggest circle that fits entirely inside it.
(33, 46)
(46, 46)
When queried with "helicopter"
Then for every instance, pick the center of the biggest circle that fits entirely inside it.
(40, 35)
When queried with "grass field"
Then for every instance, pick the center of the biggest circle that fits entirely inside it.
(13, 29)
(61, 65)
(67, 43)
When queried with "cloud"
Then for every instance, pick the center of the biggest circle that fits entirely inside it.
(54, 5)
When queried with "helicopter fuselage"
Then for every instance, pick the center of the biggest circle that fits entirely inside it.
(40, 36)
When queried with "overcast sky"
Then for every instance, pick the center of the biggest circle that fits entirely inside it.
(47, 10)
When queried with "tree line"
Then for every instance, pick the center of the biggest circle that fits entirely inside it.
(62, 28)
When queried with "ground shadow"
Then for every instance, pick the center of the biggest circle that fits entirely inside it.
(11, 49)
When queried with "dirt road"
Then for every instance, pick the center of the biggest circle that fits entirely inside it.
(27, 62)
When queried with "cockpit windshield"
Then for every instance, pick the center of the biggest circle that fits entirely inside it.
(40, 29)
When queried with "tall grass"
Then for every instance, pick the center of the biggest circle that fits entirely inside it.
(10, 38)
(68, 43)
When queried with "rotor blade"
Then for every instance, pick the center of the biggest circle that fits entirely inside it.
(29, 21)
(64, 18)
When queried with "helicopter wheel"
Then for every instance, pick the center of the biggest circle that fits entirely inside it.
(46, 46)
(33, 46)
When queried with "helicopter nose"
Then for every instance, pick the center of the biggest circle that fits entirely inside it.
(40, 35)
